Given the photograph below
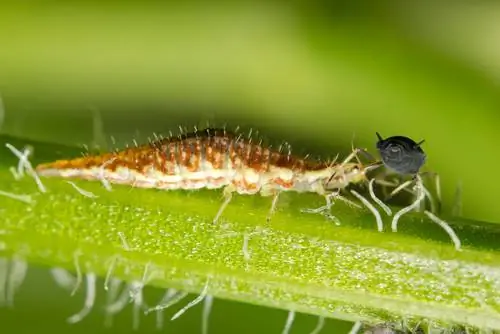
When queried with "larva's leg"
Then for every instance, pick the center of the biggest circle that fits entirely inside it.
(270, 191)
(326, 207)
(228, 195)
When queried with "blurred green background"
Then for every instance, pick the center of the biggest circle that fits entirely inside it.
(314, 73)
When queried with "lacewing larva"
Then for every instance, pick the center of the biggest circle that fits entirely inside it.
(214, 158)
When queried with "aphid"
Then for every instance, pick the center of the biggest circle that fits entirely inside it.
(213, 158)
(404, 156)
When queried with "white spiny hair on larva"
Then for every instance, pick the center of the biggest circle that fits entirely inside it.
(17, 274)
(89, 299)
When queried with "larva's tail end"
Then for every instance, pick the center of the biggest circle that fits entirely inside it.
(48, 169)
(56, 167)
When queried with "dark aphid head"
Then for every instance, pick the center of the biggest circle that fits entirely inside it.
(401, 154)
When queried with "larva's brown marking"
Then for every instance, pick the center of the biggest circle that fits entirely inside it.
(211, 158)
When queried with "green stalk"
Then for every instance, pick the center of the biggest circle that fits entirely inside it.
(298, 261)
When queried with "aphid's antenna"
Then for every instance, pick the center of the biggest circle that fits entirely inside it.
(420, 142)
(379, 136)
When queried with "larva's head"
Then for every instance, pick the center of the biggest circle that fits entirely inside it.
(401, 154)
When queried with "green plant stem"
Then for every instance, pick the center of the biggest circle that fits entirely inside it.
(300, 262)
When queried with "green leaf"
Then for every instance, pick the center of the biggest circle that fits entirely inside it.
(298, 261)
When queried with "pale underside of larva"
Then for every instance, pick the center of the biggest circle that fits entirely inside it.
(210, 159)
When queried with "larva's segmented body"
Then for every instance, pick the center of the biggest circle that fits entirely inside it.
(210, 158)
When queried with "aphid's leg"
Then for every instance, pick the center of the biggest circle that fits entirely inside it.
(411, 207)
(384, 207)
(268, 190)
(445, 227)
(228, 195)
(378, 218)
